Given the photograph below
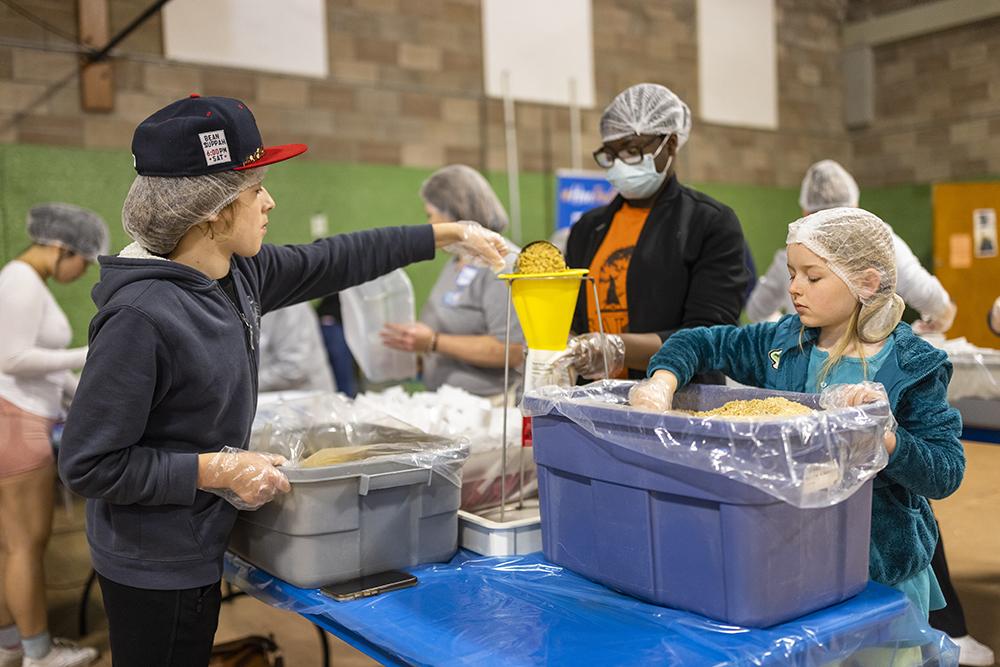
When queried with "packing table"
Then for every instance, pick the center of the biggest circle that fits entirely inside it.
(522, 610)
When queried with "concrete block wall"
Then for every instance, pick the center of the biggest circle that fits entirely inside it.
(406, 88)
(937, 109)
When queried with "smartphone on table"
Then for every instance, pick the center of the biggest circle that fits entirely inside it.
(369, 585)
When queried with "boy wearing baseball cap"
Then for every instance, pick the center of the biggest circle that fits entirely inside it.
(156, 438)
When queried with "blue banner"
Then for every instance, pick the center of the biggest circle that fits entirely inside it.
(577, 192)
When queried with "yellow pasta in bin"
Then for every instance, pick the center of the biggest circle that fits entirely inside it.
(540, 257)
(333, 455)
(774, 406)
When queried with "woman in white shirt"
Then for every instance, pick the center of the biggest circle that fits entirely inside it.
(828, 185)
(35, 380)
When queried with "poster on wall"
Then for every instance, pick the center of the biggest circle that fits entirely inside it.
(577, 192)
(959, 255)
(984, 231)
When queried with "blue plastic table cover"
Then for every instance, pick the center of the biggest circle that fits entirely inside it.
(522, 610)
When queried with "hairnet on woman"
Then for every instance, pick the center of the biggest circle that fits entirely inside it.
(828, 185)
(649, 284)
(35, 383)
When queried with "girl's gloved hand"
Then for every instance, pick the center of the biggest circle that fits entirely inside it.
(247, 480)
(585, 355)
(854, 395)
(473, 243)
(655, 394)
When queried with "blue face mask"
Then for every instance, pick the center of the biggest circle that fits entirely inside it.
(638, 181)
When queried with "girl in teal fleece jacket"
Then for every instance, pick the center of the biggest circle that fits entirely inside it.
(847, 331)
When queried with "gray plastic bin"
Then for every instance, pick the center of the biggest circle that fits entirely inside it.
(344, 521)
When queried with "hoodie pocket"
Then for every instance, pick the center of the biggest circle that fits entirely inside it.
(904, 500)
(163, 534)
(212, 519)
(903, 534)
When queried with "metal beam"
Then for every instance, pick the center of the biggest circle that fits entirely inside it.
(927, 18)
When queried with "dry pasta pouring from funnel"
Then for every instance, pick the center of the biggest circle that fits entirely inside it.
(544, 291)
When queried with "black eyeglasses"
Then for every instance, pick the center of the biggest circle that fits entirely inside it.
(605, 157)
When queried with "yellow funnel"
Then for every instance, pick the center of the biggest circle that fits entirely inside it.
(545, 303)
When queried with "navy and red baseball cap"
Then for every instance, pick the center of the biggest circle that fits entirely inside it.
(203, 135)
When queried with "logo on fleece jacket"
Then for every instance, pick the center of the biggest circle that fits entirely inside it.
(775, 357)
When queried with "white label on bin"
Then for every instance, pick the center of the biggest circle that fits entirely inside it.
(820, 476)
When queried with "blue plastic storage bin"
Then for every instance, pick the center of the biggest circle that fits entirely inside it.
(687, 538)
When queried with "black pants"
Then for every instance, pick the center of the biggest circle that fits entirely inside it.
(951, 619)
(152, 628)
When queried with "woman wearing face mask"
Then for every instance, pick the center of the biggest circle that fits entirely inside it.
(665, 257)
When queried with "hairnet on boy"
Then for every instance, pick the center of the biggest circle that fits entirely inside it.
(159, 210)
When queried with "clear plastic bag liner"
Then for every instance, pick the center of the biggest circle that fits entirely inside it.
(300, 427)
(521, 610)
(455, 413)
(976, 370)
(814, 460)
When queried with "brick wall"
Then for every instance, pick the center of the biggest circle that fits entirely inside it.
(937, 109)
(406, 88)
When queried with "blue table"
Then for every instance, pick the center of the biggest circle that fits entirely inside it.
(522, 610)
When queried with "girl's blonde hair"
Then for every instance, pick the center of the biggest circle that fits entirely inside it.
(847, 341)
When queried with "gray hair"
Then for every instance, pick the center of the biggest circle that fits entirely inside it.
(461, 193)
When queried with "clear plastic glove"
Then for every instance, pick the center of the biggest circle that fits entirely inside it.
(655, 394)
(585, 355)
(853, 395)
(247, 480)
(479, 246)
(938, 324)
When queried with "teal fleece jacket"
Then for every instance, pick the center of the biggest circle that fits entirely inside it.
(928, 461)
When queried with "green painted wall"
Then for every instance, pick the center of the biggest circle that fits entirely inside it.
(357, 196)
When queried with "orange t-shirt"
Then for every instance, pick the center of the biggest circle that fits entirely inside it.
(610, 269)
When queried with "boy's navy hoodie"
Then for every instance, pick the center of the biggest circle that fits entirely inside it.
(172, 373)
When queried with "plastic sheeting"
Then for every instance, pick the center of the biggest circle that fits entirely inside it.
(455, 413)
(814, 460)
(449, 412)
(976, 369)
(300, 427)
(521, 610)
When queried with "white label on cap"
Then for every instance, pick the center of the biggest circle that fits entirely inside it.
(215, 146)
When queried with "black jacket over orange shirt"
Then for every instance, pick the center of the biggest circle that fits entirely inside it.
(687, 269)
